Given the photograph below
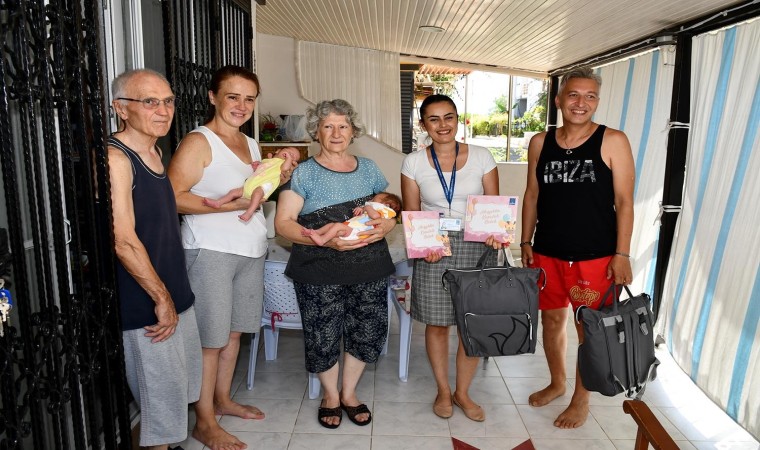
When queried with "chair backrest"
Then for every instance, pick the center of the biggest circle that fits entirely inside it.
(279, 295)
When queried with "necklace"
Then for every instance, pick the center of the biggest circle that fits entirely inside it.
(568, 149)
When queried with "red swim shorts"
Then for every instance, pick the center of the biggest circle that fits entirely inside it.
(572, 282)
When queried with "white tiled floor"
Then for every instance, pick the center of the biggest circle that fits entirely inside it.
(403, 419)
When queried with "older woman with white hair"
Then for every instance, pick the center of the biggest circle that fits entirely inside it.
(341, 286)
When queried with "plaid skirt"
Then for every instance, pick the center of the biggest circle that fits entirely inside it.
(431, 304)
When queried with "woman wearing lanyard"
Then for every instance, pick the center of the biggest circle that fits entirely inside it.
(440, 179)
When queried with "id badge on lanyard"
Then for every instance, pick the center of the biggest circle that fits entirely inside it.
(446, 222)
(450, 224)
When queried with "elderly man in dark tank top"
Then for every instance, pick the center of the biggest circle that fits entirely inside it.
(162, 350)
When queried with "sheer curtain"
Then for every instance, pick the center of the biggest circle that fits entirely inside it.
(635, 98)
(368, 79)
(711, 299)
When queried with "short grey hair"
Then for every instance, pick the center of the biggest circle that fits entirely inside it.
(119, 84)
(579, 72)
(339, 107)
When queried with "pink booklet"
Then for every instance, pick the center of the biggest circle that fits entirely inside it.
(422, 233)
(490, 215)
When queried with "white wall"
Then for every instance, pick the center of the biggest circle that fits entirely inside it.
(277, 73)
(512, 178)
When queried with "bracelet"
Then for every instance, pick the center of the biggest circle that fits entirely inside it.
(625, 255)
(526, 243)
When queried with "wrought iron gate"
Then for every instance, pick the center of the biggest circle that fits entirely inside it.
(61, 362)
(61, 358)
(202, 36)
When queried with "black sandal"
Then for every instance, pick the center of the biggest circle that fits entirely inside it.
(323, 413)
(353, 411)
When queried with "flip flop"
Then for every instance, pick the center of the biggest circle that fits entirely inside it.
(323, 413)
(353, 411)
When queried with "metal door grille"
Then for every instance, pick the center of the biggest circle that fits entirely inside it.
(61, 360)
(202, 36)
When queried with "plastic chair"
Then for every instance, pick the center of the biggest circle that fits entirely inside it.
(403, 269)
(280, 311)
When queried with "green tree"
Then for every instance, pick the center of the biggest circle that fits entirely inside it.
(534, 119)
(543, 102)
(500, 104)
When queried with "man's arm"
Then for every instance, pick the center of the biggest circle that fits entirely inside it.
(616, 151)
(130, 250)
(530, 199)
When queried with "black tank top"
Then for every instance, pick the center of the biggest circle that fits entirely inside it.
(576, 201)
(157, 227)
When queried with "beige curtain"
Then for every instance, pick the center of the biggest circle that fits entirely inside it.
(368, 79)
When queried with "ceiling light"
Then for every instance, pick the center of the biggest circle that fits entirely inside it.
(432, 29)
(665, 39)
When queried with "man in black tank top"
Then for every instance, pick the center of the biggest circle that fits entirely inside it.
(577, 224)
(162, 349)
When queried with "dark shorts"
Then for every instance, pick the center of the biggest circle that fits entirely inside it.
(357, 313)
(579, 283)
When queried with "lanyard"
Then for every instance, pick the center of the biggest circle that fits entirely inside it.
(448, 190)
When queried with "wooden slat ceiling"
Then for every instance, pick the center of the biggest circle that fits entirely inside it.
(530, 35)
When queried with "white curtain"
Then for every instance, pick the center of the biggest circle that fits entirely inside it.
(712, 291)
(635, 97)
(368, 79)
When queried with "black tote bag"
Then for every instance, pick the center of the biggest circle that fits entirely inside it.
(496, 307)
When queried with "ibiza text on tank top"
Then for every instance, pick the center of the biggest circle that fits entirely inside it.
(576, 202)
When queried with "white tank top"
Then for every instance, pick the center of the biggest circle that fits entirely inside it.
(224, 231)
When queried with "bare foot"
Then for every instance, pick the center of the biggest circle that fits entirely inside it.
(215, 438)
(212, 203)
(546, 395)
(574, 416)
(317, 239)
(236, 409)
(245, 217)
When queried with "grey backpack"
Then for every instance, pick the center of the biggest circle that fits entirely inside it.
(617, 354)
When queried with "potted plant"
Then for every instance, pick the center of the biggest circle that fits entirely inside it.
(268, 128)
